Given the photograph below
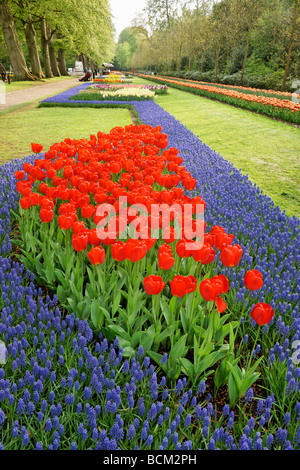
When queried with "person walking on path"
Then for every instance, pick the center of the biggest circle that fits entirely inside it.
(3, 73)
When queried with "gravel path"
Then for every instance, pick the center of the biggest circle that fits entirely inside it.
(34, 92)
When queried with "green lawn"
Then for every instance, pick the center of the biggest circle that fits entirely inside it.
(49, 125)
(265, 149)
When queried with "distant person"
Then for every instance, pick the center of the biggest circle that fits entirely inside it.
(3, 74)
(86, 77)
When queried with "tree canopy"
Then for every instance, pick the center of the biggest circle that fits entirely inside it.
(42, 30)
(220, 38)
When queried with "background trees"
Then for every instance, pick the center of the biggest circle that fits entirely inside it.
(250, 42)
(45, 36)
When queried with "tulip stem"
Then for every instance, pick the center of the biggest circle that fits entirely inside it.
(68, 252)
(100, 277)
(253, 349)
(177, 263)
(155, 304)
(240, 319)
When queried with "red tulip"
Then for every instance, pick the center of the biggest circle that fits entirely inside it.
(96, 255)
(65, 222)
(46, 203)
(51, 172)
(181, 285)
(186, 248)
(189, 183)
(205, 255)
(34, 199)
(169, 235)
(94, 240)
(135, 249)
(20, 175)
(223, 239)
(262, 313)
(220, 304)
(68, 172)
(118, 250)
(209, 238)
(153, 285)
(24, 202)
(165, 257)
(43, 188)
(79, 228)
(80, 241)
(253, 279)
(87, 211)
(181, 249)
(211, 289)
(24, 188)
(46, 215)
(231, 255)
(36, 148)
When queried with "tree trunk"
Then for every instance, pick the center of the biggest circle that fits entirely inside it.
(14, 49)
(61, 56)
(53, 60)
(52, 53)
(202, 62)
(62, 62)
(291, 43)
(189, 71)
(32, 47)
(217, 63)
(83, 60)
(45, 49)
(167, 12)
(246, 55)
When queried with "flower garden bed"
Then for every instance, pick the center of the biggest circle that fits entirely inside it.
(283, 109)
(112, 78)
(255, 91)
(118, 92)
(56, 367)
(158, 89)
(121, 94)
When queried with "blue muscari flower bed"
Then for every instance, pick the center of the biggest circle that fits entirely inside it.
(59, 384)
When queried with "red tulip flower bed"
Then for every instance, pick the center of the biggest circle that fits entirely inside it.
(108, 224)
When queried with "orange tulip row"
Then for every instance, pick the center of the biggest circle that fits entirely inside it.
(276, 102)
(256, 90)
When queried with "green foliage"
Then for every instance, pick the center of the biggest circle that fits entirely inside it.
(80, 26)
(123, 55)
(241, 37)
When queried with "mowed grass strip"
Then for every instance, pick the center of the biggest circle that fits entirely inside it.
(49, 125)
(268, 151)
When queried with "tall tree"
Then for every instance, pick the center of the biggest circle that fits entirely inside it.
(32, 47)
(295, 18)
(218, 22)
(22, 13)
(52, 53)
(11, 37)
(161, 13)
(45, 40)
(62, 53)
(250, 10)
(123, 55)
